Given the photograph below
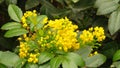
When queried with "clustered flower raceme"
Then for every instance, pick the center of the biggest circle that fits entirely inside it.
(28, 14)
(92, 34)
(58, 34)
(65, 35)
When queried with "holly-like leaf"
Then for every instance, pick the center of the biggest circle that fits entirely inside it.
(116, 64)
(114, 22)
(44, 57)
(84, 52)
(3, 66)
(40, 21)
(15, 12)
(68, 64)
(98, 3)
(8, 58)
(30, 65)
(116, 56)
(105, 6)
(20, 63)
(77, 59)
(46, 65)
(55, 62)
(11, 25)
(95, 61)
(15, 32)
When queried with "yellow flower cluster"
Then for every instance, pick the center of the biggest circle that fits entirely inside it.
(92, 34)
(99, 33)
(23, 51)
(86, 36)
(27, 14)
(65, 34)
(58, 34)
(33, 58)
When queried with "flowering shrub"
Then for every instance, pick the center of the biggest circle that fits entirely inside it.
(52, 43)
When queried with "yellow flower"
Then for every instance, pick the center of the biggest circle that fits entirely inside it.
(65, 35)
(86, 36)
(33, 58)
(95, 52)
(26, 15)
(23, 51)
(45, 20)
(92, 34)
(99, 33)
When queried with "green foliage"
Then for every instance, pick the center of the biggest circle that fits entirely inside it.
(44, 57)
(114, 22)
(116, 56)
(116, 64)
(40, 20)
(20, 63)
(8, 58)
(68, 64)
(81, 12)
(31, 3)
(29, 65)
(15, 32)
(10, 25)
(110, 7)
(84, 52)
(106, 6)
(95, 61)
(46, 65)
(77, 59)
(55, 62)
(15, 12)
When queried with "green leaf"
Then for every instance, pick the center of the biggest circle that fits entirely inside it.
(44, 57)
(31, 3)
(47, 8)
(55, 62)
(3, 66)
(32, 45)
(76, 59)
(114, 22)
(8, 58)
(107, 7)
(15, 32)
(98, 3)
(15, 13)
(116, 64)
(40, 21)
(84, 51)
(30, 65)
(10, 2)
(95, 61)
(46, 65)
(116, 56)
(11, 25)
(20, 63)
(68, 64)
